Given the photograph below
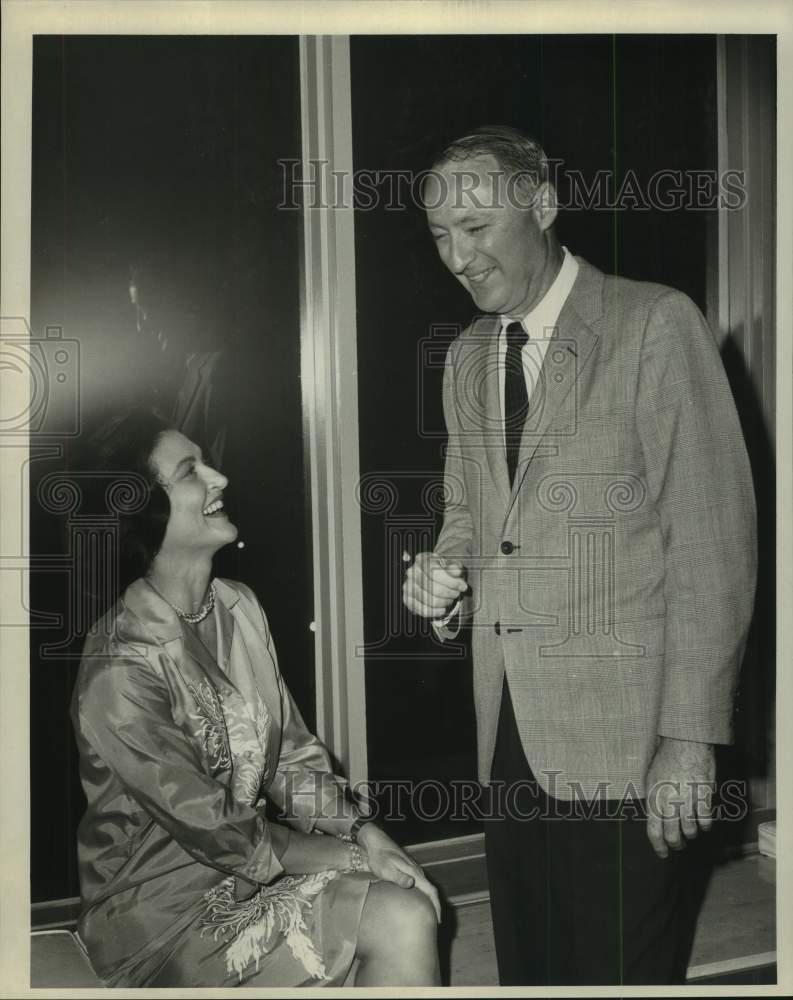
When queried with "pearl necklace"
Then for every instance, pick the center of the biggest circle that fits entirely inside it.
(191, 617)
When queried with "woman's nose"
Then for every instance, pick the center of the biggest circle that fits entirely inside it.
(216, 478)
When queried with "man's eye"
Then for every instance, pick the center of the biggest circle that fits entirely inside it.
(476, 229)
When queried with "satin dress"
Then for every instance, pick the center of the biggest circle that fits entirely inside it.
(180, 880)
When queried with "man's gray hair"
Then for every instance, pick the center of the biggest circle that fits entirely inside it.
(516, 152)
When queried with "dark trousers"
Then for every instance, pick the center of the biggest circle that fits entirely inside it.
(579, 900)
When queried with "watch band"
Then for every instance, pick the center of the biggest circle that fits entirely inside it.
(355, 829)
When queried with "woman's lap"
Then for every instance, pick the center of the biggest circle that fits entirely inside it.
(301, 931)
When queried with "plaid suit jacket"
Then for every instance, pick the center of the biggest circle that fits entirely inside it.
(614, 582)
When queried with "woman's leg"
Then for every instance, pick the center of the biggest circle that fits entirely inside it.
(397, 941)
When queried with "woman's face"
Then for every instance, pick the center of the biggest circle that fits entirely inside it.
(197, 524)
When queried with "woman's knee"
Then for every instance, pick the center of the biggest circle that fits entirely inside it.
(397, 918)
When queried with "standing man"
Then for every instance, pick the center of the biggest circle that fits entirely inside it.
(600, 535)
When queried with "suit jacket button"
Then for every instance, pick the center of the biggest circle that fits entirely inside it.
(507, 548)
(497, 627)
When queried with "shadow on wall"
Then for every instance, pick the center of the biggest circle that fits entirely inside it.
(750, 759)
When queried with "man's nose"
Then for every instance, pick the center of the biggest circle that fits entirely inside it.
(461, 253)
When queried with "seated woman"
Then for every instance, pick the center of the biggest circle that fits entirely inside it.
(185, 727)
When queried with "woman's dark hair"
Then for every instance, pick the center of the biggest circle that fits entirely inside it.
(123, 448)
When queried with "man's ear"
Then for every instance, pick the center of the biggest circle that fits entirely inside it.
(544, 205)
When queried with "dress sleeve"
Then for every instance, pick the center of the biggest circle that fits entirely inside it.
(124, 713)
(305, 787)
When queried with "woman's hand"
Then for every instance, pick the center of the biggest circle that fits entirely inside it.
(389, 862)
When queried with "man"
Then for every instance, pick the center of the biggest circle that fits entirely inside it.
(600, 535)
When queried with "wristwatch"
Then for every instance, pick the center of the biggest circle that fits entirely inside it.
(356, 827)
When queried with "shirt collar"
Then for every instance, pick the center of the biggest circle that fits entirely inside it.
(546, 312)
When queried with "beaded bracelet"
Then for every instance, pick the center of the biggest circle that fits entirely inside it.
(357, 863)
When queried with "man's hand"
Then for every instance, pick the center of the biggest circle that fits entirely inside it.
(432, 585)
(389, 862)
(680, 783)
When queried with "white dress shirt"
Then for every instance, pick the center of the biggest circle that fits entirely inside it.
(539, 324)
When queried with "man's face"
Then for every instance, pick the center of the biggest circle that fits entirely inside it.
(490, 234)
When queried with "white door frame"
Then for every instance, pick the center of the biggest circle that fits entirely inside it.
(329, 375)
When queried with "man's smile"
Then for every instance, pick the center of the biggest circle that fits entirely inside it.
(480, 276)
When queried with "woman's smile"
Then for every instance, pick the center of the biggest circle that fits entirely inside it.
(214, 508)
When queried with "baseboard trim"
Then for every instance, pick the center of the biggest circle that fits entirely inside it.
(448, 850)
(472, 845)
(55, 914)
(453, 861)
(469, 899)
(731, 965)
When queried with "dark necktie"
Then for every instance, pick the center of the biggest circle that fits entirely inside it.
(516, 396)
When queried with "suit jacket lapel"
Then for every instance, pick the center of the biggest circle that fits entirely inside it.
(565, 361)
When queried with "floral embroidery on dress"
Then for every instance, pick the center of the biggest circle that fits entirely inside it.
(254, 923)
(248, 731)
(211, 724)
(233, 733)
(236, 732)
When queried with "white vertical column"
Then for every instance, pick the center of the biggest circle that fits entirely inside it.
(330, 395)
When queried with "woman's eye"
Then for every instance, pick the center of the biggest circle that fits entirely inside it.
(475, 229)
